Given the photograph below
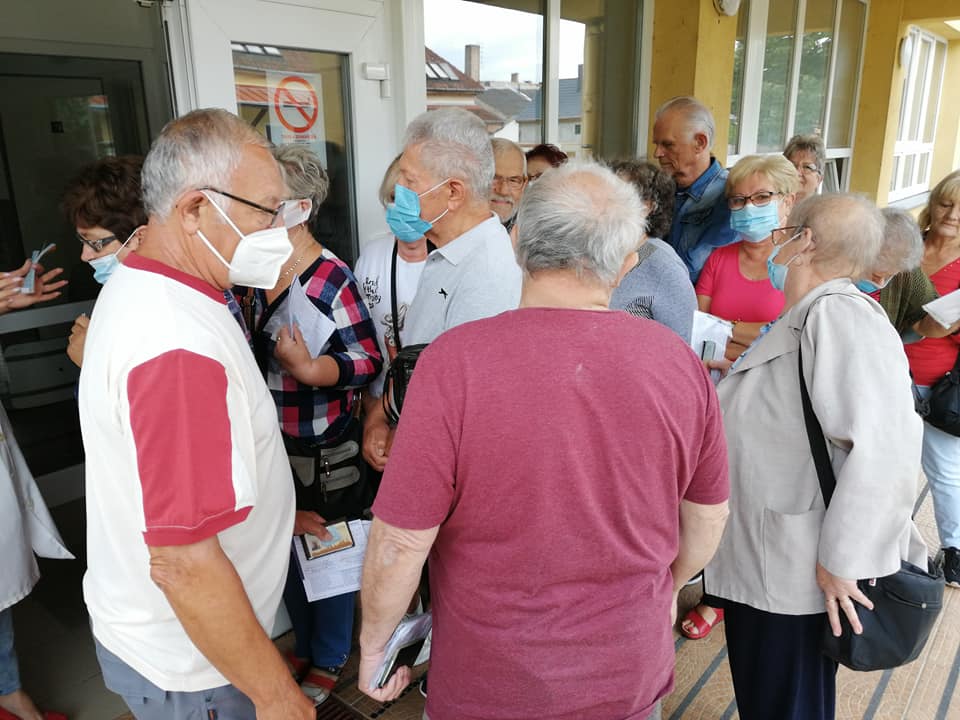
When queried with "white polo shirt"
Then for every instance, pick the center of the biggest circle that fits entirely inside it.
(472, 277)
(182, 443)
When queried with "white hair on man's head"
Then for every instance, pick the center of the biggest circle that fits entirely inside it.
(698, 116)
(847, 228)
(902, 242)
(454, 144)
(502, 146)
(200, 149)
(579, 217)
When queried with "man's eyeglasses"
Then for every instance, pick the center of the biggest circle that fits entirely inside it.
(807, 169)
(758, 199)
(514, 181)
(98, 244)
(274, 213)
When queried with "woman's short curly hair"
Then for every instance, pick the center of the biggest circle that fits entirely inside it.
(107, 194)
(551, 153)
(655, 186)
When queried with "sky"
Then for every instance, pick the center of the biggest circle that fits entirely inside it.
(510, 41)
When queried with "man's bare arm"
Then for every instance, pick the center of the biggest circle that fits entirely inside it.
(701, 527)
(209, 599)
(391, 573)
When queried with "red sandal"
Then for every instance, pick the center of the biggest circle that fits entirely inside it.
(701, 627)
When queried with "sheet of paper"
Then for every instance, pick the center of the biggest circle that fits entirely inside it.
(337, 573)
(410, 630)
(315, 326)
(945, 310)
(30, 279)
(709, 328)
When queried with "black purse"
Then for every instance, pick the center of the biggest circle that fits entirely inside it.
(401, 367)
(942, 408)
(905, 604)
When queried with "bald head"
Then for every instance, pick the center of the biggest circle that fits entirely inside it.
(847, 229)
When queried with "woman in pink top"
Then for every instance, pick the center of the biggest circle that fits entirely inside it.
(734, 285)
(931, 358)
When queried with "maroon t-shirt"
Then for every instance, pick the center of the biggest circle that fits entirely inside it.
(553, 447)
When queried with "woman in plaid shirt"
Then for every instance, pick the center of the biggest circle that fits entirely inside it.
(317, 347)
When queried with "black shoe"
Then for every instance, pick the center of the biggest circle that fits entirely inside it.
(951, 566)
(423, 685)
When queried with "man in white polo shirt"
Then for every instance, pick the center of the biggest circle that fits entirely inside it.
(189, 495)
(446, 171)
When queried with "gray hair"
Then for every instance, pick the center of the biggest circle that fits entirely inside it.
(454, 144)
(201, 149)
(697, 115)
(579, 217)
(502, 146)
(902, 242)
(847, 228)
(303, 174)
(807, 143)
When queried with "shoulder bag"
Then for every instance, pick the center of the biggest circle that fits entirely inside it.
(401, 367)
(905, 604)
(942, 408)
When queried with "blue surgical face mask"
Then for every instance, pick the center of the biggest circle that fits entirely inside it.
(403, 214)
(869, 287)
(778, 273)
(754, 224)
(104, 266)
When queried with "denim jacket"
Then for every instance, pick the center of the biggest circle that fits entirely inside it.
(701, 221)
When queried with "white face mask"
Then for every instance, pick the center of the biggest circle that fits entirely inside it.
(259, 255)
(296, 212)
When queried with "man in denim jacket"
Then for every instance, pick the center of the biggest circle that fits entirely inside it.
(683, 136)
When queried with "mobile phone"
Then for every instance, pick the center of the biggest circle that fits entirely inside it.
(708, 351)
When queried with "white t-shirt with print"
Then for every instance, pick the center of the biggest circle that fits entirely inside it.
(373, 276)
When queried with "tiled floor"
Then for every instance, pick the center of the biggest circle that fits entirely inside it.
(61, 672)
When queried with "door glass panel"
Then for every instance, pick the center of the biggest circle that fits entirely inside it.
(299, 96)
(491, 55)
(736, 98)
(777, 59)
(853, 14)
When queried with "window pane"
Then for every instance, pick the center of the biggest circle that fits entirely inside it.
(298, 97)
(598, 56)
(777, 58)
(736, 99)
(488, 60)
(933, 104)
(814, 66)
(852, 18)
(922, 83)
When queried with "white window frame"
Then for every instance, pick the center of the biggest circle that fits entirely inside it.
(754, 51)
(917, 79)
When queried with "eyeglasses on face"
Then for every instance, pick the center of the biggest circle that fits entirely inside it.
(783, 235)
(98, 244)
(807, 168)
(514, 181)
(274, 213)
(758, 199)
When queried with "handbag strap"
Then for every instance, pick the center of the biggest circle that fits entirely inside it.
(818, 443)
(393, 299)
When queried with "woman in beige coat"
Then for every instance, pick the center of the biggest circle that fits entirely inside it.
(786, 565)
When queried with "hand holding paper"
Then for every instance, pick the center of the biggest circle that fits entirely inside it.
(945, 310)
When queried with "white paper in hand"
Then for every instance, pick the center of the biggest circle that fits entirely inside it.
(945, 310)
(711, 332)
(315, 326)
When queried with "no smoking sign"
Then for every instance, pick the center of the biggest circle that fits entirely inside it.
(295, 104)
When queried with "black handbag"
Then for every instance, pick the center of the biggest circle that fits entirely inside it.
(401, 367)
(942, 408)
(905, 604)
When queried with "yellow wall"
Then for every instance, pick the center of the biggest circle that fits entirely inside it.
(879, 106)
(693, 55)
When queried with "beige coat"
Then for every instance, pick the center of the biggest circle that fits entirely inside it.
(857, 376)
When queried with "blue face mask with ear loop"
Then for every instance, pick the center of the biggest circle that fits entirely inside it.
(403, 214)
(754, 223)
(104, 266)
(870, 287)
(778, 273)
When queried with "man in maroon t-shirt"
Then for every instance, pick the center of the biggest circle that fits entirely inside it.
(564, 467)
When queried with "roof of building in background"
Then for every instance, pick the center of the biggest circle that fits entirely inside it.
(571, 102)
(444, 76)
(506, 101)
